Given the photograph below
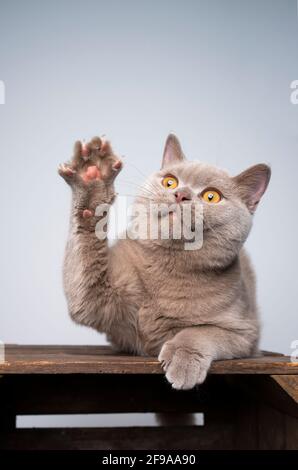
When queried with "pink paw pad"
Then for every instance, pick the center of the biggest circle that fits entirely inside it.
(92, 173)
(87, 214)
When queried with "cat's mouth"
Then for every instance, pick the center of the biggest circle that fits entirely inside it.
(174, 217)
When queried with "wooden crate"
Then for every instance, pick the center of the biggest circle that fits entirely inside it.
(247, 403)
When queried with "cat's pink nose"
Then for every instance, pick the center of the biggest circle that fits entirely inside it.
(181, 196)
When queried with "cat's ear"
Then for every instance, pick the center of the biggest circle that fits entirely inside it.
(172, 151)
(252, 183)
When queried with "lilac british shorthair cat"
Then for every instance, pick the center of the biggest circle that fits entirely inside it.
(152, 296)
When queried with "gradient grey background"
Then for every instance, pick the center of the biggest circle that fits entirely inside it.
(217, 73)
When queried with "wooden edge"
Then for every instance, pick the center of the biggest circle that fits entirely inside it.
(136, 365)
(266, 389)
(289, 383)
(53, 359)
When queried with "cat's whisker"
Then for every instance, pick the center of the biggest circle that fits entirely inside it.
(140, 172)
(120, 193)
(147, 187)
(132, 195)
(142, 187)
(151, 186)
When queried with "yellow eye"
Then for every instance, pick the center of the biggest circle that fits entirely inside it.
(212, 196)
(170, 182)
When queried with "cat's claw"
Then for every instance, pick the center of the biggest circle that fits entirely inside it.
(117, 165)
(66, 171)
(184, 369)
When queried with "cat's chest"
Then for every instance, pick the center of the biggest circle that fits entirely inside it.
(171, 302)
(180, 295)
(177, 299)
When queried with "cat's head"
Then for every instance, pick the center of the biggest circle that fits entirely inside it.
(227, 204)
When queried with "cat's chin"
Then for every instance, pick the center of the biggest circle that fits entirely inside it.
(170, 244)
(198, 256)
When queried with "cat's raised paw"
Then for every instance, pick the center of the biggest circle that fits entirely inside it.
(184, 369)
(91, 162)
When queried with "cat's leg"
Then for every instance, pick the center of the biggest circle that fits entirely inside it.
(92, 299)
(187, 357)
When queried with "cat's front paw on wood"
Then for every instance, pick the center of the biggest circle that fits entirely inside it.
(184, 368)
(91, 162)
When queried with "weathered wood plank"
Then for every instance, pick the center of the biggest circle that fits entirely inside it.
(291, 433)
(133, 438)
(245, 422)
(289, 383)
(263, 388)
(233, 419)
(103, 360)
(271, 428)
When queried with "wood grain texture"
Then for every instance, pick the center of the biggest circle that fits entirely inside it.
(289, 383)
(291, 433)
(263, 388)
(271, 428)
(103, 360)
